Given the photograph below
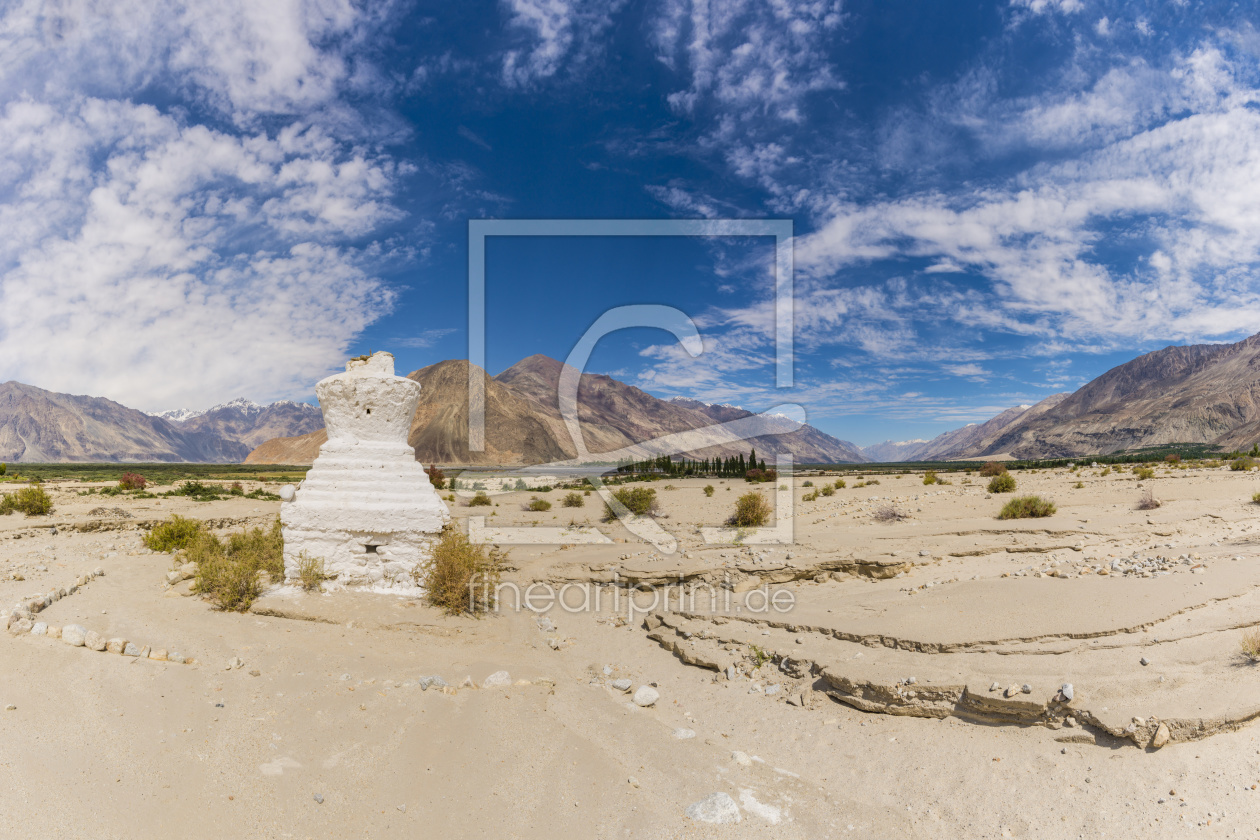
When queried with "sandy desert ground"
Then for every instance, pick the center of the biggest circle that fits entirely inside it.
(867, 710)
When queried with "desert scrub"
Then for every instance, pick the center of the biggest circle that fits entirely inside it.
(1250, 644)
(1143, 473)
(436, 477)
(459, 576)
(1255, 498)
(992, 468)
(809, 497)
(132, 481)
(479, 500)
(176, 532)
(827, 490)
(1026, 507)
(32, 501)
(1148, 501)
(929, 477)
(538, 505)
(233, 574)
(1002, 483)
(808, 484)
(839, 485)
(310, 572)
(1080, 485)
(1106, 471)
(1240, 464)
(573, 499)
(638, 500)
(708, 490)
(751, 510)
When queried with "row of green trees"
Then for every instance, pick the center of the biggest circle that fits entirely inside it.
(734, 467)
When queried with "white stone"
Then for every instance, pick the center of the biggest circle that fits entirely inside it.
(366, 507)
(497, 679)
(717, 808)
(73, 634)
(646, 696)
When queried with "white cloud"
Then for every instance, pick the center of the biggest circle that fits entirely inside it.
(161, 263)
(1041, 7)
(556, 33)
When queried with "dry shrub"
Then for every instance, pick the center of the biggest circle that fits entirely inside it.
(1143, 473)
(132, 481)
(1172, 459)
(708, 490)
(1255, 498)
(480, 500)
(573, 499)
(888, 513)
(538, 505)
(176, 532)
(1027, 507)
(231, 574)
(436, 477)
(992, 468)
(809, 497)
(638, 500)
(827, 490)
(929, 477)
(1250, 645)
(310, 572)
(32, 501)
(751, 511)
(459, 576)
(1148, 501)
(1240, 464)
(1002, 483)
(839, 485)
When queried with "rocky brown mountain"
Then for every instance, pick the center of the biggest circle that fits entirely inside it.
(250, 423)
(43, 426)
(524, 425)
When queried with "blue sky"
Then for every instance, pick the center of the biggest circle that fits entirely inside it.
(992, 202)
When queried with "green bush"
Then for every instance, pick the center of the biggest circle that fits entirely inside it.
(827, 490)
(1027, 507)
(708, 490)
(480, 500)
(751, 510)
(1239, 464)
(809, 497)
(639, 500)
(1144, 473)
(574, 499)
(808, 484)
(4, 468)
(176, 532)
(1002, 483)
(929, 477)
(1255, 497)
(32, 501)
(839, 485)
(459, 576)
(232, 574)
(311, 572)
(538, 505)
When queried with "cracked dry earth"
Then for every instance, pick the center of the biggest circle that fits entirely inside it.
(889, 701)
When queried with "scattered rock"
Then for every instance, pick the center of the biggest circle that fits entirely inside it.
(995, 687)
(426, 682)
(497, 680)
(234, 662)
(1162, 736)
(717, 808)
(1144, 661)
(93, 641)
(39, 629)
(681, 734)
(633, 782)
(741, 758)
(10, 708)
(116, 645)
(73, 634)
(131, 649)
(1011, 690)
(319, 799)
(622, 684)
(1067, 692)
(647, 696)
(1026, 688)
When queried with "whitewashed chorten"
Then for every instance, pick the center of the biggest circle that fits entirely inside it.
(366, 506)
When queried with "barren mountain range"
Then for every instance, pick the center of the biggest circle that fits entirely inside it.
(524, 426)
(43, 426)
(1205, 393)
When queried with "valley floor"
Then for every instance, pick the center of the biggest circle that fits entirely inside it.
(867, 709)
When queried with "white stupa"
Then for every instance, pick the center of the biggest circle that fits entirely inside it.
(367, 506)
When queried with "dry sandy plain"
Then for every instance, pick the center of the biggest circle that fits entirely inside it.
(821, 733)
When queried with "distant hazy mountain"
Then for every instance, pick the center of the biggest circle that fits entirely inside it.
(893, 450)
(524, 425)
(39, 425)
(248, 422)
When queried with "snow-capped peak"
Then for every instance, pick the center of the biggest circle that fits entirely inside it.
(241, 405)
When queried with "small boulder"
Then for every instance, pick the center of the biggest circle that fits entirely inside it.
(159, 654)
(93, 641)
(1162, 736)
(646, 696)
(622, 684)
(73, 634)
(1067, 692)
(131, 649)
(116, 646)
(498, 679)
